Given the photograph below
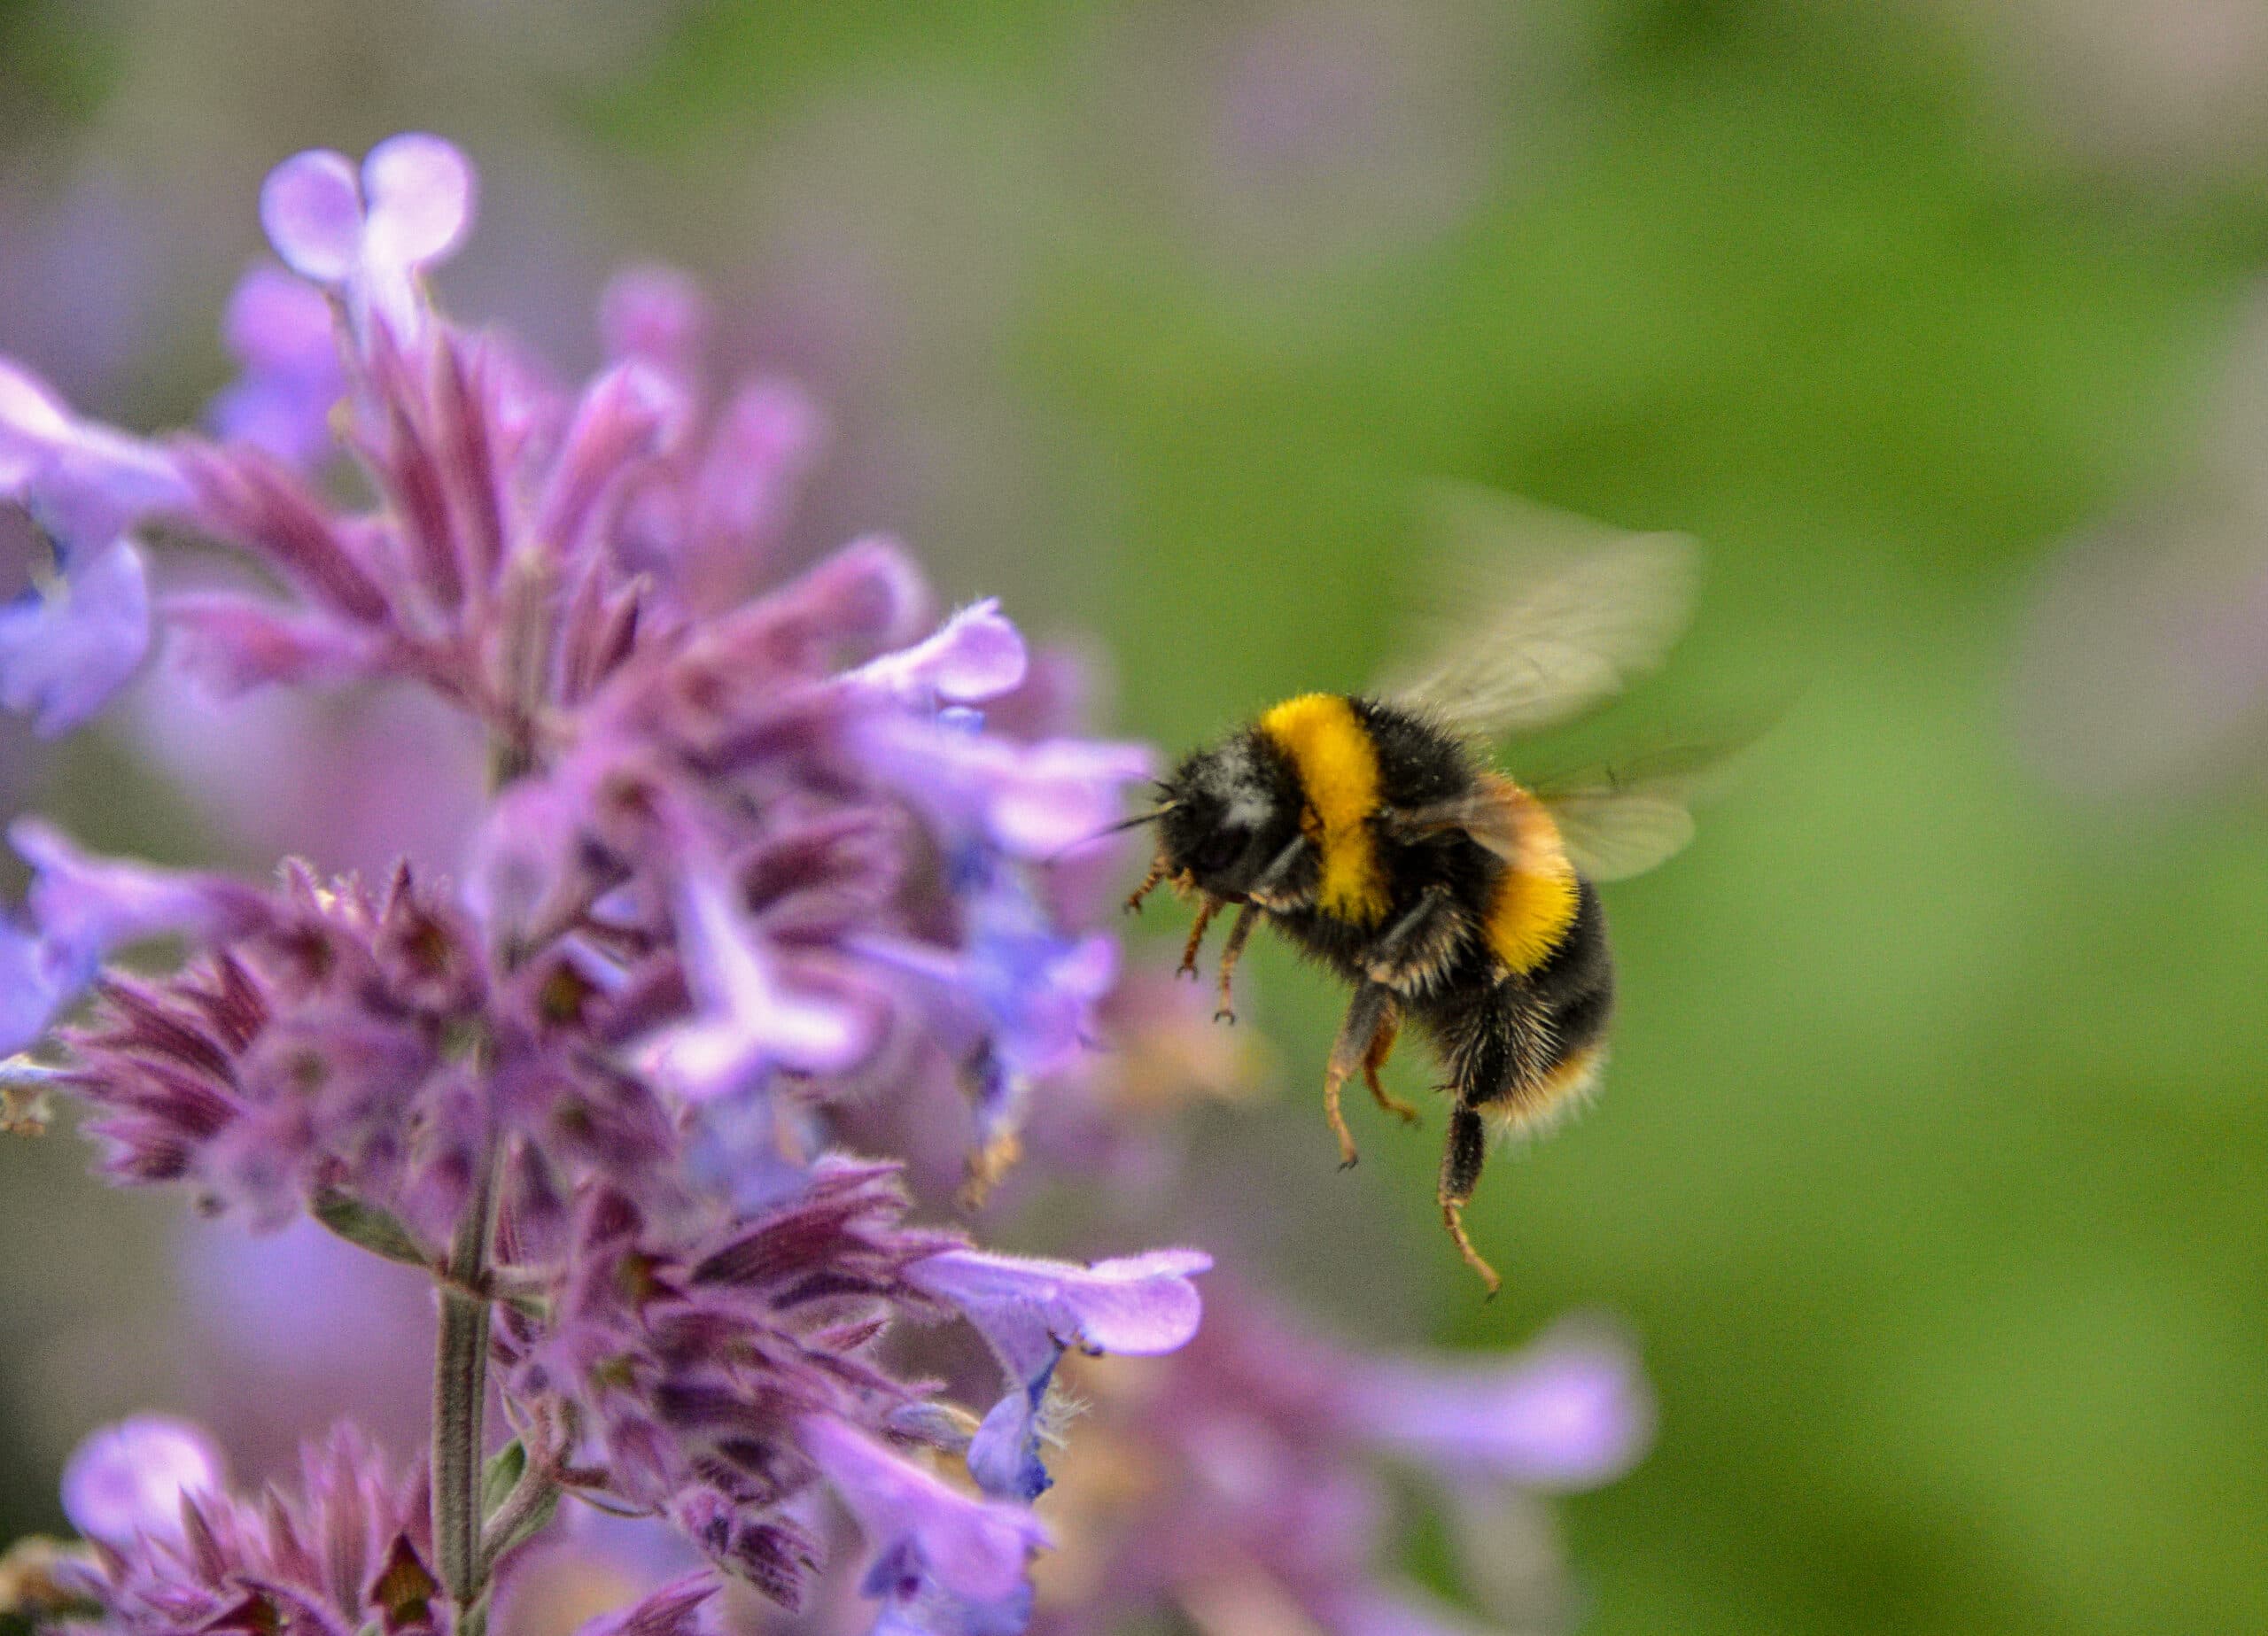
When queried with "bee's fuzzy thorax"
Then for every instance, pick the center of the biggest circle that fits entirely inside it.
(1336, 760)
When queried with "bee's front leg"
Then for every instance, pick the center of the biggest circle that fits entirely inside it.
(1372, 1011)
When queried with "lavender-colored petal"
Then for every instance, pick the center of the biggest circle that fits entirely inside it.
(976, 655)
(32, 419)
(1138, 1305)
(1004, 1454)
(764, 441)
(750, 1019)
(975, 1549)
(64, 653)
(38, 977)
(674, 1609)
(91, 905)
(1030, 800)
(656, 314)
(232, 644)
(281, 328)
(420, 190)
(1572, 1412)
(128, 1479)
(311, 207)
(280, 323)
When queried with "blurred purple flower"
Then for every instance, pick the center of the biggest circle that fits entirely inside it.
(352, 1547)
(279, 328)
(130, 1480)
(1572, 1412)
(68, 647)
(371, 235)
(933, 1547)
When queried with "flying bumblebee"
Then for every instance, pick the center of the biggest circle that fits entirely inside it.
(1373, 831)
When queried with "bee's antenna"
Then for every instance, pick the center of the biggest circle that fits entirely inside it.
(1120, 827)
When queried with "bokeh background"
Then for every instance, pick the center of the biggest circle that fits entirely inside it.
(1930, 1179)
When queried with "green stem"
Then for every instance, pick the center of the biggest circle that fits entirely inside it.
(460, 1401)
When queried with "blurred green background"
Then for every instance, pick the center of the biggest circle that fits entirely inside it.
(1931, 1170)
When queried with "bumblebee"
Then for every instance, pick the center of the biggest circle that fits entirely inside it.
(1373, 831)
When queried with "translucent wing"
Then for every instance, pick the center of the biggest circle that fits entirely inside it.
(1622, 822)
(1540, 615)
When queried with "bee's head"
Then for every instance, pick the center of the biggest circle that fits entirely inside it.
(1228, 811)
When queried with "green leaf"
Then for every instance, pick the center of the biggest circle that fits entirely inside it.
(373, 1229)
(500, 1476)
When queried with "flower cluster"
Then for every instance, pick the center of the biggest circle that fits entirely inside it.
(760, 945)
(747, 858)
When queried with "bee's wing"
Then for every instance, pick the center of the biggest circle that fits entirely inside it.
(1622, 821)
(1541, 615)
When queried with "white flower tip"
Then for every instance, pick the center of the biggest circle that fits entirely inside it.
(421, 198)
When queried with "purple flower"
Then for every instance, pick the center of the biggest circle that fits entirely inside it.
(279, 328)
(371, 235)
(1570, 1412)
(83, 482)
(66, 649)
(748, 1020)
(82, 908)
(1032, 1311)
(130, 1480)
(924, 1535)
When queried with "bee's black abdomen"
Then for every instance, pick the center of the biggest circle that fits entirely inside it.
(1513, 1045)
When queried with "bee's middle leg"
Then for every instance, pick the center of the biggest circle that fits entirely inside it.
(1382, 1047)
(1372, 1012)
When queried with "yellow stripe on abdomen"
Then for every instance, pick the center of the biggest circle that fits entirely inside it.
(1338, 768)
(1536, 897)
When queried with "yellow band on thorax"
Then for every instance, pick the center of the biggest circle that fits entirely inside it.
(1536, 897)
(1338, 768)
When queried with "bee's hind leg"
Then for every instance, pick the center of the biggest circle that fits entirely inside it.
(1381, 1047)
(1370, 1012)
(1461, 1162)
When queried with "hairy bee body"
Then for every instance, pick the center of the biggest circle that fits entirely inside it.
(1370, 831)
(1321, 817)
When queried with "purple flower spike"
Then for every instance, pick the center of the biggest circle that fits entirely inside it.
(920, 1529)
(65, 651)
(1572, 1412)
(128, 1479)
